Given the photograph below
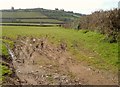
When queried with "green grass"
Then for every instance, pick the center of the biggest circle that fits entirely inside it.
(4, 51)
(106, 54)
(3, 47)
(4, 70)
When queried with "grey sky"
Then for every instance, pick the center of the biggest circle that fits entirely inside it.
(80, 6)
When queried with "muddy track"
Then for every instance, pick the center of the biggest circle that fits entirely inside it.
(39, 62)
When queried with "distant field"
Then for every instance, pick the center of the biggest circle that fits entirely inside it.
(21, 14)
(50, 21)
(27, 17)
(41, 20)
(31, 24)
(85, 45)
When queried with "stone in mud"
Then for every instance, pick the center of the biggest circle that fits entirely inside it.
(63, 77)
(56, 77)
(42, 44)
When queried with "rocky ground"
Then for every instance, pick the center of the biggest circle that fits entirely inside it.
(38, 62)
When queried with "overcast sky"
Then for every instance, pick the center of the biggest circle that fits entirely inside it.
(79, 6)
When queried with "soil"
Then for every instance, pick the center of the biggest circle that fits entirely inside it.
(38, 62)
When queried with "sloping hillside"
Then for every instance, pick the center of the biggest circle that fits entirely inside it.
(38, 15)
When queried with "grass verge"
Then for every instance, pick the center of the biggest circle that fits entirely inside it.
(4, 70)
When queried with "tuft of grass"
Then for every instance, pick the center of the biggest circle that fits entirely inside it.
(4, 70)
(4, 51)
(3, 47)
(8, 42)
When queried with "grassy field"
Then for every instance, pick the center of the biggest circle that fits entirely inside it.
(85, 45)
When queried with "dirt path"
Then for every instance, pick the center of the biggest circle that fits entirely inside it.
(39, 62)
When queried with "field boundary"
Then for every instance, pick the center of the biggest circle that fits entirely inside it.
(29, 24)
